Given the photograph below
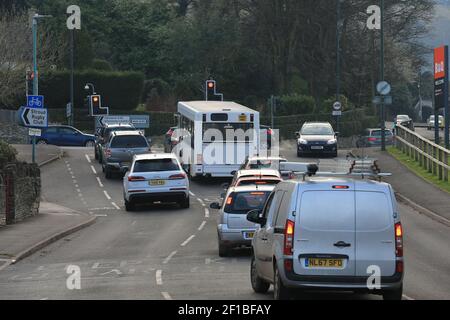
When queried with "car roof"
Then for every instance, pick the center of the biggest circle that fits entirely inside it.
(154, 156)
(127, 133)
(315, 123)
(258, 172)
(318, 183)
(256, 158)
(120, 125)
(251, 188)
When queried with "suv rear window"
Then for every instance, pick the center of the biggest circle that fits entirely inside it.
(243, 202)
(156, 165)
(129, 142)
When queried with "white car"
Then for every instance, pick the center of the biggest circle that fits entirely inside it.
(155, 178)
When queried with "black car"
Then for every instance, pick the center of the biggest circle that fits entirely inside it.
(317, 138)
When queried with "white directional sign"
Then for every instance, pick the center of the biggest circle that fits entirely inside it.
(35, 117)
(383, 88)
(32, 132)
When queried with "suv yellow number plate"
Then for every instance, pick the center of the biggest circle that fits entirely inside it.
(157, 182)
(313, 263)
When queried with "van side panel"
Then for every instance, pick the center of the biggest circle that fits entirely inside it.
(375, 239)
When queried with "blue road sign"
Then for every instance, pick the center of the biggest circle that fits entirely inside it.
(35, 101)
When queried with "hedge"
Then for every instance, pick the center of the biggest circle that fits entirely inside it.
(7, 153)
(119, 90)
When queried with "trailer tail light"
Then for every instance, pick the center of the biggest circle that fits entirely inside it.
(289, 238)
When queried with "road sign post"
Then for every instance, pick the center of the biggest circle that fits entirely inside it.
(384, 89)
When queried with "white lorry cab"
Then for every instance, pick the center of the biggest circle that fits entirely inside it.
(216, 137)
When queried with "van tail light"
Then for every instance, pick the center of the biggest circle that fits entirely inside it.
(289, 238)
(180, 176)
(135, 179)
(398, 240)
(108, 153)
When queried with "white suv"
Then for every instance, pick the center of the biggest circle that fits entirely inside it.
(155, 178)
(328, 233)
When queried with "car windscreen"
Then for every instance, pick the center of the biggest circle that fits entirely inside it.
(243, 202)
(156, 165)
(313, 130)
(377, 133)
(129, 142)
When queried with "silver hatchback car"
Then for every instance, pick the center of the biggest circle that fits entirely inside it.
(329, 233)
(233, 228)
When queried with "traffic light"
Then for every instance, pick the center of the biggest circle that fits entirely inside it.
(211, 91)
(95, 106)
(29, 82)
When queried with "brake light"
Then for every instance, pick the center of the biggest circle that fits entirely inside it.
(341, 187)
(289, 238)
(257, 193)
(108, 153)
(229, 201)
(134, 179)
(398, 240)
(180, 176)
(372, 139)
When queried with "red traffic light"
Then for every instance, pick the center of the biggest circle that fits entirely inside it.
(211, 84)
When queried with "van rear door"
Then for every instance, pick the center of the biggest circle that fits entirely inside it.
(375, 238)
(325, 232)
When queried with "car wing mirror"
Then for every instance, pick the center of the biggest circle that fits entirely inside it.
(297, 134)
(255, 217)
(215, 206)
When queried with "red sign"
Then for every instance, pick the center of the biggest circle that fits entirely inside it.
(439, 63)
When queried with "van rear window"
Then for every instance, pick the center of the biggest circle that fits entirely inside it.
(373, 211)
(129, 142)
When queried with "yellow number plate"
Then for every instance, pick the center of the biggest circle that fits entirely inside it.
(324, 263)
(249, 235)
(157, 182)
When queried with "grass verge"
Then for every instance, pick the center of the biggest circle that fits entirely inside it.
(418, 170)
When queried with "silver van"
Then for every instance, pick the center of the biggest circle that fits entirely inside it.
(329, 233)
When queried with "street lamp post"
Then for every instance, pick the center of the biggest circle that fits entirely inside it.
(90, 86)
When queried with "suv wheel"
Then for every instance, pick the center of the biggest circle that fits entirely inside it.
(129, 206)
(280, 292)
(224, 250)
(185, 204)
(396, 294)
(258, 284)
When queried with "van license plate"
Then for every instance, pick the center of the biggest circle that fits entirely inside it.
(157, 182)
(313, 263)
(249, 235)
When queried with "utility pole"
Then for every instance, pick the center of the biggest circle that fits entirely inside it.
(382, 109)
(72, 113)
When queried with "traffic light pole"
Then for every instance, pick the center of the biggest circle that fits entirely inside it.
(35, 67)
(382, 109)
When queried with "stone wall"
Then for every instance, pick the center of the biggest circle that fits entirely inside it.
(10, 131)
(20, 189)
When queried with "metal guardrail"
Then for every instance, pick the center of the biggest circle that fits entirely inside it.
(429, 155)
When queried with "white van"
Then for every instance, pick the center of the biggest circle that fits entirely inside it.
(329, 233)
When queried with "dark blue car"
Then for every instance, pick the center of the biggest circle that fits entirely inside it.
(65, 136)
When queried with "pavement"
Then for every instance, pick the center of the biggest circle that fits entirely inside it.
(44, 153)
(414, 190)
(53, 222)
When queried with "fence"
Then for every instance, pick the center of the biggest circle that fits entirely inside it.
(429, 155)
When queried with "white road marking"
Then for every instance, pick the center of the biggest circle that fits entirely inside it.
(166, 260)
(73, 177)
(206, 213)
(100, 182)
(107, 195)
(88, 159)
(202, 226)
(200, 200)
(101, 215)
(77, 186)
(191, 193)
(159, 281)
(115, 205)
(188, 240)
(79, 190)
(166, 295)
(43, 299)
(407, 298)
(93, 170)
